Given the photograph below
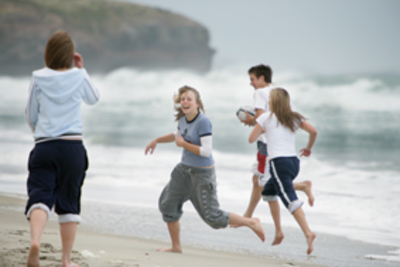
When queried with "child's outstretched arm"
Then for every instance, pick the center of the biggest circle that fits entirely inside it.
(311, 140)
(257, 131)
(162, 139)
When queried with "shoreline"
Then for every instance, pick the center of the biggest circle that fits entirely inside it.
(94, 248)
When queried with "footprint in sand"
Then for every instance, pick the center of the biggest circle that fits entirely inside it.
(18, 232)
(49, 256)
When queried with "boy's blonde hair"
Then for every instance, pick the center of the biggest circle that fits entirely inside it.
(60, 50)
(279, 101)
(177, 101)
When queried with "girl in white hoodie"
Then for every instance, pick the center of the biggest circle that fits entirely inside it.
(58, 162)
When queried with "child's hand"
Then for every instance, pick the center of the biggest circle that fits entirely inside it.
(305, 152)
(249, 121)
(179, 141)
(150, 147)
(78, 60)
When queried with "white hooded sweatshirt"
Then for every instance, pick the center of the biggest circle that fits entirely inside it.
(55, 97)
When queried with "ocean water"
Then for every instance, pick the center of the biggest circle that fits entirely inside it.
(354, 167)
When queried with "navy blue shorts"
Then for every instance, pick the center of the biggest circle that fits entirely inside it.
(56, 173)
(283, 171)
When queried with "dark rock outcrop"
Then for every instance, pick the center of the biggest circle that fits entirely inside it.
(108, 34)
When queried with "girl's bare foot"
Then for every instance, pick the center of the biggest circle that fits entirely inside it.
(310, 240)
(308, 192)
(173, 250)
(278, 239)
(257, 228)
(33, 257)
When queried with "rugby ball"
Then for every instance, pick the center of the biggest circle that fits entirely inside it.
(240, 112)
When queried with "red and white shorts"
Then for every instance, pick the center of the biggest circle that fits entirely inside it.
(261, 169)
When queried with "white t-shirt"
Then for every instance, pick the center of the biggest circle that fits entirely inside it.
(281, 140)
(261, 98)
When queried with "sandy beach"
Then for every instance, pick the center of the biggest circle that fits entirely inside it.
(98, 249)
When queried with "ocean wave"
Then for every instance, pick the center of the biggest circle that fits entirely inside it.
(356, 116)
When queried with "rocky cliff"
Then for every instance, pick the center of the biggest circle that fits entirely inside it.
(108, 34)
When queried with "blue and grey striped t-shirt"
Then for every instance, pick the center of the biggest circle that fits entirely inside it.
(192, 131)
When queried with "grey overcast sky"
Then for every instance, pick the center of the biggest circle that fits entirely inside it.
(317, 36)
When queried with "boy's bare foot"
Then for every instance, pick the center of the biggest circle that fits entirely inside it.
(310, 240)
(278, 239)
(308, 192)
(33, 257)
(173, 250)
(257, 228)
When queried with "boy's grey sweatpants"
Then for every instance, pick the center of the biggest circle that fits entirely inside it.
(200, 187)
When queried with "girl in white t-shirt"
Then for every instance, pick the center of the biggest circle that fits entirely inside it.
(279, 127)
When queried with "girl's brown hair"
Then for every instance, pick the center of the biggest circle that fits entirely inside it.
(177, 101)
(60, 50)
(280, 106)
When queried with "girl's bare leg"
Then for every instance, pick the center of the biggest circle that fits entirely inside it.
(301, 220)
(68, 233)
(38, 220)
(174, 229)
(276, 217)
(306, 188)
(254, 224)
